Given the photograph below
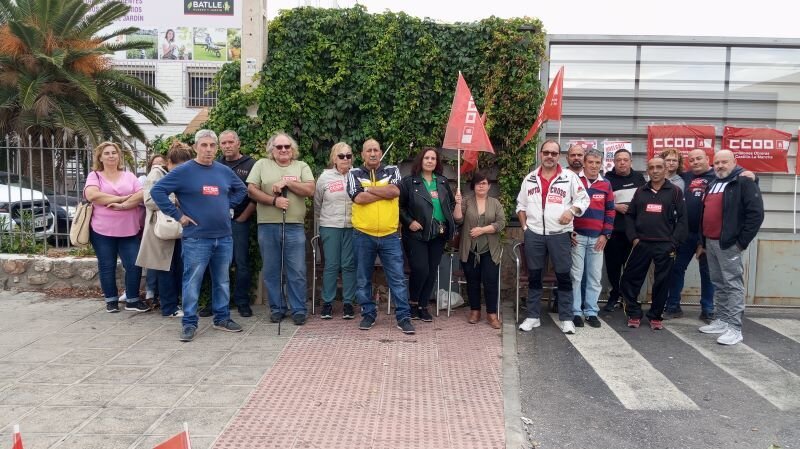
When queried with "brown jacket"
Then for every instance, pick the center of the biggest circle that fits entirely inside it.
(154, 253)
(495, 216)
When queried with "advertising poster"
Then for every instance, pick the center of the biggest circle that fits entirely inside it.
(762, 150)
(609, 148)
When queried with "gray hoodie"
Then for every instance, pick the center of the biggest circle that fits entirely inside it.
(332, 204)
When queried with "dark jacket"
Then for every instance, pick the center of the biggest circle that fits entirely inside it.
(241, 167)
(742, 210)
(416, 204)
(657, 217)
(633, 180)
(693, 193)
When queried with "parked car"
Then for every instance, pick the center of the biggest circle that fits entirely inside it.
(17, 198)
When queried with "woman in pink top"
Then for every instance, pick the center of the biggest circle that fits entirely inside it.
(116, 224)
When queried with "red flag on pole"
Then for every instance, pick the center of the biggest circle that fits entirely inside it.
(551, 107)
(179, 441)
(465, 129)
(17, 438)
(471, 157)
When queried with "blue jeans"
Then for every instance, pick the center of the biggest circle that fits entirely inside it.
(241, 257)
(216, 254)
(337, 247)
(107, 249)
(294, 265)
(152, 282)
(169, 282)
(587, 266)
(685, 252)
(389, 249)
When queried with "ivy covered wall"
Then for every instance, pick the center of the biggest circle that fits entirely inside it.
(347, 75)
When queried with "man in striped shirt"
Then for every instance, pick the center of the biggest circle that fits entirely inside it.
(592, 231)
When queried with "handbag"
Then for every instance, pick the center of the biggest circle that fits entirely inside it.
(166, 227)
(79, 232)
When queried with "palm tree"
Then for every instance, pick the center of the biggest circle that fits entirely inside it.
(56, 76)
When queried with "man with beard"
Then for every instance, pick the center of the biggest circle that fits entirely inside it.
(731, 215)
(575, 155)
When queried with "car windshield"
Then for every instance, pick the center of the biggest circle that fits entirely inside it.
(23, 182)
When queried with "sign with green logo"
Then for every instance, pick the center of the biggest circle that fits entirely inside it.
(208, 7)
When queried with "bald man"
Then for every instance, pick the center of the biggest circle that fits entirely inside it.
(731, 215)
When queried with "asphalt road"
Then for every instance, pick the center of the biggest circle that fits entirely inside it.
(622, 388)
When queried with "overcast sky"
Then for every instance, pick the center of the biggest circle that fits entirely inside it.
(761, 18)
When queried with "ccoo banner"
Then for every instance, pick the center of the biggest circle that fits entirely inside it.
(684, 138)
(758, 149)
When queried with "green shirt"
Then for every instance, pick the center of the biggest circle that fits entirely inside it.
(267, 172)
(438, 215)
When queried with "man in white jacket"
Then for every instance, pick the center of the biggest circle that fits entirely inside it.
(548, 200)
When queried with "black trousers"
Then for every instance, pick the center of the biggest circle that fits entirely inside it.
(662, 255)
(616, 253)
(423, 259)
(485, 273)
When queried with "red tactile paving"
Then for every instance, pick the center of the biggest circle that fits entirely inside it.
(335, 386)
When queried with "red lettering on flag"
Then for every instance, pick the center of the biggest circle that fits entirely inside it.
(465, 127)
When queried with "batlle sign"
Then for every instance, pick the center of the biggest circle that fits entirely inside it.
(209, 7)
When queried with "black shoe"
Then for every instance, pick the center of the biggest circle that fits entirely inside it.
(708, 317)
(205, 312)
(245, 311)
(424, 315)
(228, 326)
(406, 326)
(366, 323)
(112, 307)
(138, 306)
(276, 317)
(414, 314)
(327, 311)
(610, 306)
(577, 321)
(299, 319)
(187, 334)
(673, 315)
(348, 312)
(593, 321)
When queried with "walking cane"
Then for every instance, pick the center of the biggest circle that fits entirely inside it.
(284, 301)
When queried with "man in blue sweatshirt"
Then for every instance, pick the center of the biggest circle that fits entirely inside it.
(206, 191)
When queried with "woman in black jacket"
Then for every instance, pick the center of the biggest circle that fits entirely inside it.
(428, 210)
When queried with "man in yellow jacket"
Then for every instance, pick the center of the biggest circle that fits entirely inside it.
(376, 218)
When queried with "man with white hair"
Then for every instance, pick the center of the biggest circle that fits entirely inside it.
(731, 216)
(206, 191)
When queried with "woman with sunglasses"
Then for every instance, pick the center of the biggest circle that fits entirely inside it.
(332, 208)
(428, 212)
(280, 184)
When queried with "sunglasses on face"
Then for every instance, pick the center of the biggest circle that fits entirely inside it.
(550, 153)
(344, 156)
(283, 147)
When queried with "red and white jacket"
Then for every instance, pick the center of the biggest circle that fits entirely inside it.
(566, 190)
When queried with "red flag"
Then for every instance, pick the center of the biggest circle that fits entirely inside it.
(465, 129)
(470, 162)
(17, 438)
(551, 108)
(179, 441)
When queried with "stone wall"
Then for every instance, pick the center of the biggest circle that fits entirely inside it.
(31, 273)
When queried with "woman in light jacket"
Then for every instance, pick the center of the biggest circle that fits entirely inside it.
(332, 208)
(480, 248)
(163, 256)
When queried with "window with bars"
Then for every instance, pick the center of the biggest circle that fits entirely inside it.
(201, 87)
(146, 73)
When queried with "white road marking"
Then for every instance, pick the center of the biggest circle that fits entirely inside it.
(635, 382)
(787, 327)
(768, 379)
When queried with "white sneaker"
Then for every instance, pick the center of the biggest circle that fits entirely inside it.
(716, 327)
(568, 327)
(176, 314)
(529, 324)
(730, 337)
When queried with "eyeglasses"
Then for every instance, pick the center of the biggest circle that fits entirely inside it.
(282, 147)
(550, 153)
(345, 156)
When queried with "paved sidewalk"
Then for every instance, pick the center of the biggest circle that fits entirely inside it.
(74, 376)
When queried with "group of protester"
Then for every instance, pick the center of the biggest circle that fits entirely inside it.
(574, 216)
(358, 212)
(581, 219)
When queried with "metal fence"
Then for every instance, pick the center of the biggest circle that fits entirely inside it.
(41, 185)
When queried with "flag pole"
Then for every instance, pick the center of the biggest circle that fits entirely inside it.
(794, 207)
(458, 183)
(559, 133)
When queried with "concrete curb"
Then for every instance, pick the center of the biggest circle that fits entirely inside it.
(512, 407)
